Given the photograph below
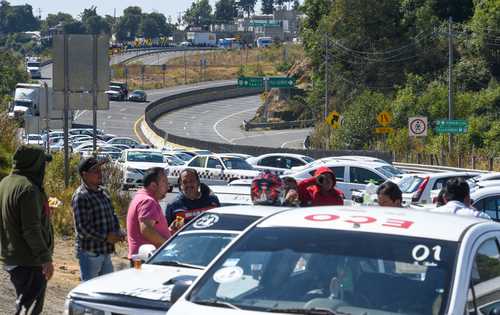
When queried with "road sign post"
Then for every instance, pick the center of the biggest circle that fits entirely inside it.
(417, 126)
(251, 82)
(334, 119)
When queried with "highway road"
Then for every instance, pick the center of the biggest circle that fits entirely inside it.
(216, 121)
(220, 122)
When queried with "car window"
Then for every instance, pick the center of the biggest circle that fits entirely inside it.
(213, 162)
(485, 277)
(198, 161)
(363, 176)
(490, 205)
(269, 161)
(292, 162)
(337, 170)
(233, 163)
(440, 183)
(410, 184)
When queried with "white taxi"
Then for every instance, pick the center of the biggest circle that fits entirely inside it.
(135, 162)
(215, 169)
(147, 291)
(354, 260)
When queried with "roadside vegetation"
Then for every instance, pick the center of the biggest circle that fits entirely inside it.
(211, 65)
(393, 56)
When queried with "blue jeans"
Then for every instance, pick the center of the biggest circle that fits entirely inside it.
(93, 265)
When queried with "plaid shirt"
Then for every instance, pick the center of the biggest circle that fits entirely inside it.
(94, 219)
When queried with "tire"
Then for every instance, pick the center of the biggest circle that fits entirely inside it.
(125, 187)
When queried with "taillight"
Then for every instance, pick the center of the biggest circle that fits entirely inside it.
(416, 195)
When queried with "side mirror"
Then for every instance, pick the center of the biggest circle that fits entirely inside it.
(218, 166)
(146, 251)
(181, 284)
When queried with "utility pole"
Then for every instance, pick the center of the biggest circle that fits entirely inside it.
(450, 79)
(94, 94)
(185, 67)
(325, 114)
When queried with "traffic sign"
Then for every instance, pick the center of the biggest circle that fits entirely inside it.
(384, 118)
(334, 119)
(281, 82)
(417, 126)
(251, 82)
(451, 126)
(384, 130)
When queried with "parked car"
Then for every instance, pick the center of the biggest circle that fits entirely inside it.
(279, 162)
(126, 141)
(487, 199)
(344, 260)
(417, 188)
(178, 154)
(34, 138)
(134, 162)
(351, 174)
(148, 290)
(137, 96)
(215, 169)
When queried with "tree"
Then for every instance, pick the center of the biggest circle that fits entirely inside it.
(93, 23)
(17, 18)
(149, 27)
(267, 6)
(199, 14)
(247, 6)
(128, 25)
(225, 11)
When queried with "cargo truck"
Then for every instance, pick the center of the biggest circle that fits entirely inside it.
(33, 106)
(203, 39)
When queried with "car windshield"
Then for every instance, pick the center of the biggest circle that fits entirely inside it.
(291, 270)
(308, 159)
(34, 64)
(144, 156)
(34, 137)
(140, 93)
(115, 88)
(174, 161)
(389, 171)
(193, 248)
(410, 184)
(235, 163)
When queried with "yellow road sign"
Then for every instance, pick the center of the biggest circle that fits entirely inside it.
(334, 119)
(384, 118)
(384, 130)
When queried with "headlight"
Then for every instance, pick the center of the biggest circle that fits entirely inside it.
(77, 309)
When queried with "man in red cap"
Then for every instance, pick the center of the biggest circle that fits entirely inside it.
(320, 190)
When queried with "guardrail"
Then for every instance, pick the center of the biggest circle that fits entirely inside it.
(170, 103)
(164, 49)
(419, 168)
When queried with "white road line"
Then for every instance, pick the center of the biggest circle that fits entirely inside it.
(123, 109)
(226, 117)
(267, 135)
(291, 141)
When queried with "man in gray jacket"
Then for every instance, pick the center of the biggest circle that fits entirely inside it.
(26, 236)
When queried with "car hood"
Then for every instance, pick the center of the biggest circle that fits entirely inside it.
(147, 282)
(144, 165)
(111, 92)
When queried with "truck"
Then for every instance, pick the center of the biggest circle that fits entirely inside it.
(33, 106)
(204, 39)
(263, 42)
(33, 67)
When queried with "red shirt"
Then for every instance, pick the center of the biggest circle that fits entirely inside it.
(310, 194)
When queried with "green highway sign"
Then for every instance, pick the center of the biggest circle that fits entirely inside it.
(451, 126)
(264, 23)
(251, 82)
(281, 82)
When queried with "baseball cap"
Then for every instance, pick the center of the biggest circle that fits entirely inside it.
(89, 163)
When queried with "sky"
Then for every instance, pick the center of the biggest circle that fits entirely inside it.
(75, 7)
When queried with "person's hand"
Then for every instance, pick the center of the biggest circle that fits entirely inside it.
(48, 270)
(292, 197)
(177, 224)
(114, 237)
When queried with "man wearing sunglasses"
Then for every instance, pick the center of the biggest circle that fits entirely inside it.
(96, 224)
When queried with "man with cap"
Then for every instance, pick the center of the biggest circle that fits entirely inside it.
(26, 237)
(97, 227)
(320, 190)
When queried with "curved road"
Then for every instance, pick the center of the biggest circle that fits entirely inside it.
(216, 121)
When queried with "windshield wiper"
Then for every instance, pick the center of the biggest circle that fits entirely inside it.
(306, 311)
(217, 303)
(176, 264)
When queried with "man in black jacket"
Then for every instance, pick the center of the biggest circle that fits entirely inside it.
(26, 237)
(193, 199)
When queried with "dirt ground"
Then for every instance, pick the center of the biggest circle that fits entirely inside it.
(66, 277)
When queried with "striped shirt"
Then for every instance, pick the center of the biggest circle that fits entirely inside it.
(94, 218)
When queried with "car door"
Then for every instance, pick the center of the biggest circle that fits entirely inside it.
(359, 177)
(490, 205)
(484, 290)
(214, 172)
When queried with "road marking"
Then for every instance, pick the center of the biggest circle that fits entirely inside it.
(123, 110)
(136, 129)
(291, 141)
(109, 117)
(226, 117)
